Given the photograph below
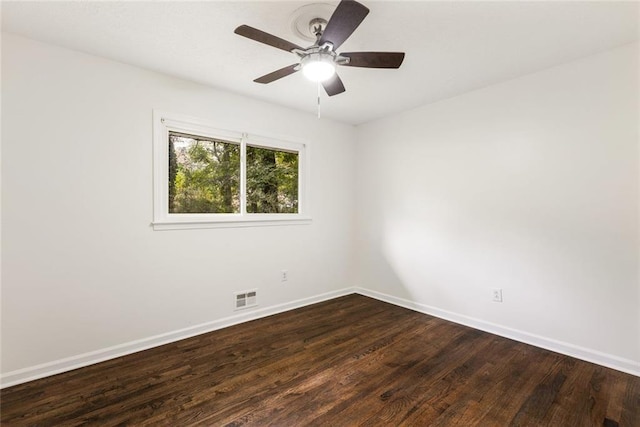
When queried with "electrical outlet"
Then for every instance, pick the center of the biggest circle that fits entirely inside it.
(497, 295)
(284, 275)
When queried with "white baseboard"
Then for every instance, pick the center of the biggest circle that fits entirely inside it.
(63, 365)
(67, 364)
(589, 355)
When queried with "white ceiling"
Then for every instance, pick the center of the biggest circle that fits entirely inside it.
(451, 47)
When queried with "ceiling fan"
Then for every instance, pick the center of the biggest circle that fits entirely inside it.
(318, 62)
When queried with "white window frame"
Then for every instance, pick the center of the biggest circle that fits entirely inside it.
(164, 122)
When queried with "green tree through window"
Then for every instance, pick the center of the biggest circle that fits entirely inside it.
(204, 177)
(272, 181)
(207, 177)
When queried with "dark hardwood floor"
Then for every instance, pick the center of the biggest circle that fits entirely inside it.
(345, 362)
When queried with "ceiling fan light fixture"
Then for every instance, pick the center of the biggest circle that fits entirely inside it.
(318, 67)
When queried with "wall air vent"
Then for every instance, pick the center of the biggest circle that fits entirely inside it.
(246, 299)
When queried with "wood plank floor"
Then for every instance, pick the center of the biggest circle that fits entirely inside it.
(346, 362)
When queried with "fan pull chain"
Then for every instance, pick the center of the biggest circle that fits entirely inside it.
(318, 100)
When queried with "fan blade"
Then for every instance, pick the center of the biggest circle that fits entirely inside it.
(266, 38)
(344, 21)
(278, 74)
(333, 86)
(374, 59)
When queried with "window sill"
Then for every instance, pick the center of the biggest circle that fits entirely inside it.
(234, 222)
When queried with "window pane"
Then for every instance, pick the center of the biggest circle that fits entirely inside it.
(272, 181)
(204, 175)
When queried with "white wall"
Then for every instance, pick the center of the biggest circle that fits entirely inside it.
(530, 186)
(82, 270)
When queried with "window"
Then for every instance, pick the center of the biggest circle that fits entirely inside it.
(208, 177)
(272, 180)
(204, 175)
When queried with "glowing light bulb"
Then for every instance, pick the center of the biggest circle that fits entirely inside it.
(318, 67)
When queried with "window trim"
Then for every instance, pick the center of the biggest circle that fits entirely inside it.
(164, 122)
